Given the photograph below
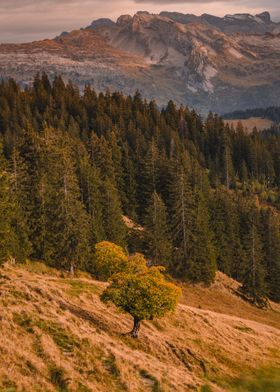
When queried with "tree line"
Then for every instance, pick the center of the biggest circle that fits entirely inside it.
(272, 113)
(73, 164)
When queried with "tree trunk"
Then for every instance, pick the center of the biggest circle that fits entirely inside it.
(72, 269)
(136, 327)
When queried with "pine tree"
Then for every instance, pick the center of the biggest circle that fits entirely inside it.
(194, 251)
(271, 250)
(158, 239)
(203, 254)
(226, 229)
(90, 184)
(253, 283)
(147, 178)
(117, 159)
(129, 202)
(114, 227)
(5, 209)
(67, 222)
(182, 221)
(26, 178)
(101, 155)
(227, 164)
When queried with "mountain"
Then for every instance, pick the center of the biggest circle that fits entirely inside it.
(207, 62)
(56, 335)
(238, 23)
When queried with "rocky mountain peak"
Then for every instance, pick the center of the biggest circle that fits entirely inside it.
(229, 24)
(124, 20)
(142, 13)
(102, 22)
(210, 62)
(265, 17)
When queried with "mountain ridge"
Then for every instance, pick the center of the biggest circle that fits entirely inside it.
(206, 62)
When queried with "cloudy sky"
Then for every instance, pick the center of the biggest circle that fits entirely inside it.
(26, 20)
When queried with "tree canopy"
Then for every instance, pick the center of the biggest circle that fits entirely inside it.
(111, 259)
(145, 295)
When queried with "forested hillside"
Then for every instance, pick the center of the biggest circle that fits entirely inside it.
(72, 166)
(272, 113)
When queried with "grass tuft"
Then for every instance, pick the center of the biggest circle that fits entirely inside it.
(7, 385)
(206, 388)
(24, 320)
(243, 328)
(77, 287)
(267, 380)
(58, 379)
(61, 338)
(155, 383)
(111, 366)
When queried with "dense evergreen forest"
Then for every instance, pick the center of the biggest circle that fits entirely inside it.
(72, 165)
(271, 113)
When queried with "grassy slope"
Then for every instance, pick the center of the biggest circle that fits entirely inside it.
(55, 335)
(250, 123)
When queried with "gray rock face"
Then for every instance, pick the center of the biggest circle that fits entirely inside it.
(207, 62)
(265, 17)
(230, 24)
(103, 22)
(124, 20)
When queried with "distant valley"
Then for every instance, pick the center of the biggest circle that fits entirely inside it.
(259, 118)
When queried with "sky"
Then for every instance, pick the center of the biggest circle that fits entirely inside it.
(29, 20)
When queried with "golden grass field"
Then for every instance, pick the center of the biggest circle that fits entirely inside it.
(56, 335)
(250, 123)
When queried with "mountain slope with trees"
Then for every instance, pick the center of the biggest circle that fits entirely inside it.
(72, 166)
(272, 113)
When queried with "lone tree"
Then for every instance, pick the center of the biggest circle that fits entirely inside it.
(144, 296)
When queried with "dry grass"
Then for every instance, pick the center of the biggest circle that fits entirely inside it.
(56, 335)
(250, 123)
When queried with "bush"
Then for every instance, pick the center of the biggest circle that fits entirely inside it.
(58, 379)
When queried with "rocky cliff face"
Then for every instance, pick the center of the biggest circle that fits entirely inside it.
(211, 63)
(230, 24)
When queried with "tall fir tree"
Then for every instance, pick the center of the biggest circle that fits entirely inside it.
(114, 227)
(203, 254)
(157, 232)
(271, 251)
(90, 185)
(67, 236)
(182, 220)
(253, 282)
(5, 209)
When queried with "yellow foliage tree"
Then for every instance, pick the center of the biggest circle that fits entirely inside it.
(144, 295)
(111, 259)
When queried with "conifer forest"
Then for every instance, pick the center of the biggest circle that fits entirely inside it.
(200, 196)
